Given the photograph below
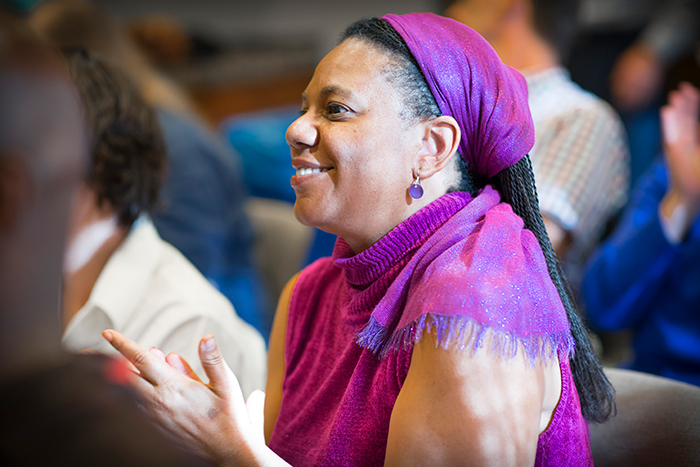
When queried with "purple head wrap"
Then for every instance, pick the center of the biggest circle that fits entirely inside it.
(470, 83)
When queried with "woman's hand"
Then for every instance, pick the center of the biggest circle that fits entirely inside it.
(212, 418)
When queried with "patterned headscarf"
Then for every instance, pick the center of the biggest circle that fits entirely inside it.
(471, 83)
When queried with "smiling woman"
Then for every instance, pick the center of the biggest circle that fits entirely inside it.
(441, 331)
(351, 128)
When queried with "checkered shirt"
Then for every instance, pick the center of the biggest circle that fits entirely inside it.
(580, 160)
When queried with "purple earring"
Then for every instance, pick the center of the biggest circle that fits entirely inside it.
(416, 191)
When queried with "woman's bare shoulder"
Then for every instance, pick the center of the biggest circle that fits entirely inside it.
(462, 407)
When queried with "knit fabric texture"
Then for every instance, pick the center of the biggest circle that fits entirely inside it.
(464, 265)
(480, 271)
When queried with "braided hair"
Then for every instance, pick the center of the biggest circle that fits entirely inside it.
(516, 185)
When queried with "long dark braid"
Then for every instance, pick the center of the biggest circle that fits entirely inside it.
(516, 186)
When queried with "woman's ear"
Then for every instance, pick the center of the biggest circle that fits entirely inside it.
(440, 143)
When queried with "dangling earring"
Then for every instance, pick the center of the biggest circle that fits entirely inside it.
(416, 191)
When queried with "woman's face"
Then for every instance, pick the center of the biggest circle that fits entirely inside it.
(353, 152)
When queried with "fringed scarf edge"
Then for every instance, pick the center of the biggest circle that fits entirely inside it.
(464, 333)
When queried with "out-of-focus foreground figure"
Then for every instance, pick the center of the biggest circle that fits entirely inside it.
(43, 146)
(54, 409)
(580, 156)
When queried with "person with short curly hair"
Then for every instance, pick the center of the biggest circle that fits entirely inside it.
(128, 160)
(118, 271)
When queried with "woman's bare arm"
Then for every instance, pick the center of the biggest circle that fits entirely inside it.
(471, 408)
(275, 359)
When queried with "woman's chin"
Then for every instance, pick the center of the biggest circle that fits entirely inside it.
(308, 214)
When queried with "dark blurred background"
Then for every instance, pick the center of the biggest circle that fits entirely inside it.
(240, 56)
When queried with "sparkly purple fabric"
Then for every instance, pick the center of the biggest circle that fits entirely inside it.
(481, 271)
(470, 83)
(487, 271)
(566, 441)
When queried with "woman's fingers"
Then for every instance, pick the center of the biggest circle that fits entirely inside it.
(181, 365)
(157, 352)
(150, 366)
(221, 379)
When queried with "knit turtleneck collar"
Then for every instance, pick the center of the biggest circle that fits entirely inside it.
(365, 267)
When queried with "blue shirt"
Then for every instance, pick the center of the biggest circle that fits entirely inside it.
(260, 139)
(638, 280)
(201, 213)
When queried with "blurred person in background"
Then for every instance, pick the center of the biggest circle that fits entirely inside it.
(55, 408)
(203, 196)
(646, 276)
(622, 53)
(580, 156)
(119, 272)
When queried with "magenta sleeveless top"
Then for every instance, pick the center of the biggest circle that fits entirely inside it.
(353, 320)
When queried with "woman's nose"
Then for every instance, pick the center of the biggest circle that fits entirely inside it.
(302, 133)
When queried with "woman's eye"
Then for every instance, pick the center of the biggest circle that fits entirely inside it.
(302, 112)
(335, 109)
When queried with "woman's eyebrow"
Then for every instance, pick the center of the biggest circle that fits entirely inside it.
(334, 89)
(328, 91)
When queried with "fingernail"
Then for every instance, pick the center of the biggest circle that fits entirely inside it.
(107, 335)
(209, 344)
(175, 363)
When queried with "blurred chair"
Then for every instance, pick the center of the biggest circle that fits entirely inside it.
(657, 424)
(281, 242)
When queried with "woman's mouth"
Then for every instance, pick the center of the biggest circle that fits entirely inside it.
(308, 170)
(305, 174)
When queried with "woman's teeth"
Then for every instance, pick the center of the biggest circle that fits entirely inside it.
(307, 171)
